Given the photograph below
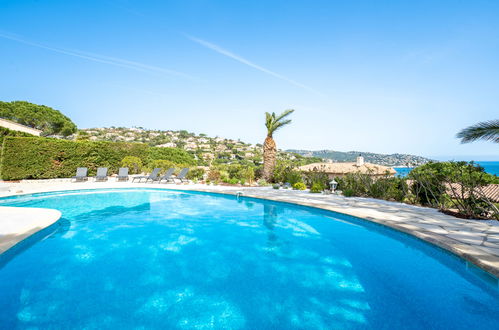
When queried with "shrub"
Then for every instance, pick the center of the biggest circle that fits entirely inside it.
(354, 184)
(214, 175)
(133, 163)
(281, 170)
(348, 193)
(196, 173)
(364, 185)
(317, 187)
(44, 118)
(454, 185)
(163, 164)
(284, 172)
(319, 179)
(299, 186)
(262, 182)
(4, 132)
(233, 181)
(248, 174)
(175, 155)
(276, 186)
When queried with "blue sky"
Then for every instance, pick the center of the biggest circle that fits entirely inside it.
(380, 76)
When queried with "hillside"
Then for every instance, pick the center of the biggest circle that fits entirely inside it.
(221, 150)
(206, 149)
(350, 156)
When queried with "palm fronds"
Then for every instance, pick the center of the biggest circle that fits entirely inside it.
(486, 130)
(274, 122)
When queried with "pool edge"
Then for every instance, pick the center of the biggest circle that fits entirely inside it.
(23, 223)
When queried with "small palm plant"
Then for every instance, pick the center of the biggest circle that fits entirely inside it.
(273, 123)
(485, 130)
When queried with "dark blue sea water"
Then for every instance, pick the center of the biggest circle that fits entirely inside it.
(490, 167)
(155, 259)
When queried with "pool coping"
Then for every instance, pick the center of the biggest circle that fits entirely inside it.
(21, 223)
(458, 246)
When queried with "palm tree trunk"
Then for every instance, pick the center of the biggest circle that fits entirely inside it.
(269, 158)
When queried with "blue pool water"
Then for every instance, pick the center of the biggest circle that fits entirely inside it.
(142, 259)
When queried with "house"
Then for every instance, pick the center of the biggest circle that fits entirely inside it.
(341, 169)
(167, 145)
(18, 127)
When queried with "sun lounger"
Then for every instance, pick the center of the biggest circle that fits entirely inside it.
(168, 175)
(101, 174)
(122, 174)
(181, 176)
(153, 176)
(81, 174)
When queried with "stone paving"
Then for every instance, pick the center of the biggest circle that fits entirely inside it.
(17, 223)
(476, 241)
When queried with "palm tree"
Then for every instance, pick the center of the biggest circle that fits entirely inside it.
(485, 130)
(273, 123)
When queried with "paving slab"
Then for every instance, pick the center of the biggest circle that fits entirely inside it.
(18, 223)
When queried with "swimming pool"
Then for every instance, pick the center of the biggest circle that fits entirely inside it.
(151, 258)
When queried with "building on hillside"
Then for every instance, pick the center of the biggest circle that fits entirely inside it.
(18, 127)
(341, 169)
(167, 145)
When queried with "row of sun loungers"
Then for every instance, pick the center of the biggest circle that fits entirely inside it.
(82, 175)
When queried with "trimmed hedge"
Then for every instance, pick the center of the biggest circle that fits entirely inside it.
(8, 132)
(175, 155)
(47, 158)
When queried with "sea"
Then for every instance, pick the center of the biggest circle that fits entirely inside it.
(490, 167)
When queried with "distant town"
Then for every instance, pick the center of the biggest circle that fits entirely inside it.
(206, 148)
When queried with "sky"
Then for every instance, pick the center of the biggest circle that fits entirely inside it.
(378, 76)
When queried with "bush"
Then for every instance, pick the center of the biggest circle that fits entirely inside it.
(196, 174)
(214, 175)
(41, 117)
(133, 163)
(247, 174)
(175, 155)
(364, 185)
(348, 193)
(299, 186)
(284, 172)
(262, 182)
(163, 164)
(317, 187)
(454, 185)
(4, 132)
(354, 184)
(47, 158)
(319, 179)
(394, 189)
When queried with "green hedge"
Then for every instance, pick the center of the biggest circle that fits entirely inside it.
(8, 132)
(46, 158)
(176, 155)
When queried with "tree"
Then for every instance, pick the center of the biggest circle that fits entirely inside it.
(485, 130)
(273, 123)
(41, 117)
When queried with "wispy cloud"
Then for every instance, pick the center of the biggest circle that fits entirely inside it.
(99, 58)
(240, 59)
